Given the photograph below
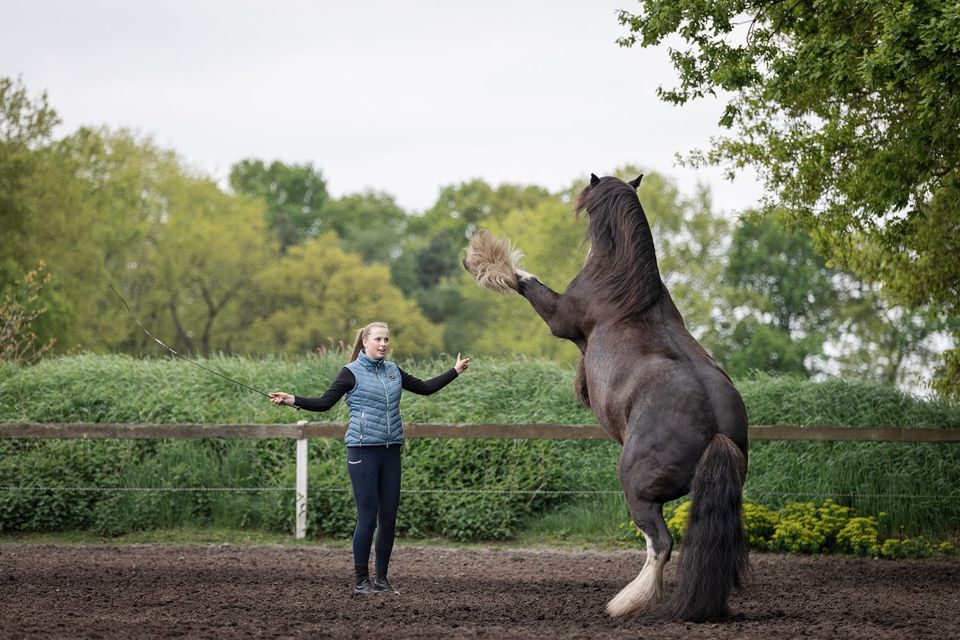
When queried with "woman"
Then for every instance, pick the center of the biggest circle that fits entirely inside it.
(372, 386)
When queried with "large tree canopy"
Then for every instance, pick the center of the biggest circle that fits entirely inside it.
(294, 195)
(848, 110)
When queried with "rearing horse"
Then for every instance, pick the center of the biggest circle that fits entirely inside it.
(653, 388)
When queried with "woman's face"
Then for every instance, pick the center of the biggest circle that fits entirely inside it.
(376, 343)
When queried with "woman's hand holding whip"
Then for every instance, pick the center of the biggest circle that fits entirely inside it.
(279, 397)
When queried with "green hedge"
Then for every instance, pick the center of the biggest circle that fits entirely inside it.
(461, 489)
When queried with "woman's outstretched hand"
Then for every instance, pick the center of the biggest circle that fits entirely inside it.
(462, 364)
(279, 397)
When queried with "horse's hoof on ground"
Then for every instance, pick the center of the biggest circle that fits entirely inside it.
(629, 603)
(635, 598)
(623, 607)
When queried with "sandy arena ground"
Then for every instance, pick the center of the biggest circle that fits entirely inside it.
(226, 591)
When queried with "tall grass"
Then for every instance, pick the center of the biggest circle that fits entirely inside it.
(842, 403)
(916, 485)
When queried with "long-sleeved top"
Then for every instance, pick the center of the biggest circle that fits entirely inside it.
(346, 381)
(372, 389)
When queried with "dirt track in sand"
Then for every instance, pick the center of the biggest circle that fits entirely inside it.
(154, 591)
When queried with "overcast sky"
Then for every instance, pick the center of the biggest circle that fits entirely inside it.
(401, 97)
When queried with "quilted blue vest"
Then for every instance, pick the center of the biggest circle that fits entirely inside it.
(374, 403)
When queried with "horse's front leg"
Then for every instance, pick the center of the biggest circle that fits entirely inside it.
(557, 310)
(493, 263)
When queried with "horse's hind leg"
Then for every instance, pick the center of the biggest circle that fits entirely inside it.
(647, 587)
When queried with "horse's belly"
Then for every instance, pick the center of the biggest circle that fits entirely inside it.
(664, 398)
(616, 392)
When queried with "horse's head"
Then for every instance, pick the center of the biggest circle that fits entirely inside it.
(601, 189)
(635, 183)
(622, 258)
(614, 211)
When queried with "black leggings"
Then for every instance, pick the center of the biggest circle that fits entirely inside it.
(375, 476)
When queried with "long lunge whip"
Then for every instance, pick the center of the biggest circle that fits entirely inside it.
(179, 355)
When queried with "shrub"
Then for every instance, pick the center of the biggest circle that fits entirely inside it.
(859, 536)
(759, 522)
(831, 518)
(19, 310)
(805, 527)
(46, 482)
(330, 508)
(677, 518)
(897, 548)
(628, 531)
(170, 483)
(797, 529)
(477, 490)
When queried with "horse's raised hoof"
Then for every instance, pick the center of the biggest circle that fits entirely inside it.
(492, 263)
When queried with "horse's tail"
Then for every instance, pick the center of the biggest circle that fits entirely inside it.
(713, 558)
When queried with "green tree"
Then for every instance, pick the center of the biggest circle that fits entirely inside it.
(200, 256)
(787, 311)
(756, 346)
(780, 271)
(429, 270)
(317, 296)
(462, 207)
(26, 126)
(782, 299)
(102, 192)
(294, 195)
(887, 342)
(370, 224)
(50, 205)
(848, 111)
(130, 214)
(108, 207)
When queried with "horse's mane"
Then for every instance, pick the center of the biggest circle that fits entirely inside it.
(622, 262)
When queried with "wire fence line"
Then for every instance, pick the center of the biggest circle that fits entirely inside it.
(309, 430)
(532, 492)
(41, 489)
(303, 431)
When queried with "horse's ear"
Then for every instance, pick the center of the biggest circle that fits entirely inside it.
(594, 179)
(636, 183)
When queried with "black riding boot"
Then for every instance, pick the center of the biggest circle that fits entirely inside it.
(363, 581)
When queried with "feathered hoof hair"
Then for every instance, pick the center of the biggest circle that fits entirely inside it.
(492, 262)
